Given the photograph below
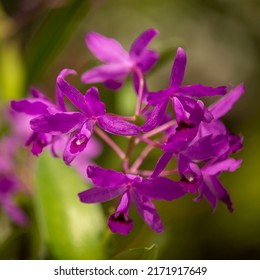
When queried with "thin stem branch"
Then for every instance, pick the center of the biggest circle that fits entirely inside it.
(140, 91)
(148, 141)
(141, 158)
(159, 129)
(110, 142)
(145, 109)
(126, 118)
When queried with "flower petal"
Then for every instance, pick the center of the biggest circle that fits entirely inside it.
(30, 107)
(59, 94)
(75, 96)
(147, 211)
(120, 222)
(14, 212)
(160, 188)
(162, 163)
(78, 142)
(207, 147)
(222, 106)
(117, 126)
(147, 60)
(204, 191)
(155, 97)
(105, 73)
(198, 90)
(114, 84)
(58, 123)
(229, 164)
(215, 127)
(219, 191)
(105, 177)
(178, 69)
(97, 194)
(96, 107)
(106, 49)
(143, 40)
(156, 116)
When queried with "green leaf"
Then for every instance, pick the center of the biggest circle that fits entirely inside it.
(51, 35)
(12, 78)
(71, 229)
(150, 253)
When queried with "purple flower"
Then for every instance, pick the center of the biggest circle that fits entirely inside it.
(32, 107)
(80, 124)
(9, 186)
(110, 184)
(185, 94)
(119, 63)
(187, 152)
(211, 187)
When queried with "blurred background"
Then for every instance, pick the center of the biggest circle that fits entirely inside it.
(222, 40)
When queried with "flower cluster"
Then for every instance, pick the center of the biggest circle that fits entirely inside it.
(189, 133)
(10, 181)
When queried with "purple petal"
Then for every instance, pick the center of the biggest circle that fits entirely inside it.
(57, 124)
(98, 194)
(215, 127)
(178, 69)
(38, 94)
(197, 114)
(106, 49)
(96, 107)
(78, 142)
(120, 222)
(113, 84)
(222, 106)
(140, 44)
(147, 60)
(156, 116)
(180, 113)
(229, 164)
(155, 97)
(147, 211)
(204, 191)
(162, 163)
(177, 143)
(105, 177)
(198, 90)
(30, 107)
(207, 147)
(15, 213)
(38, 141)
(219, 191)
(160, 188)
(117, 126)
(8, 185)
(75, 96)
(105, 73)
(190, 174)
(59, 94)
(235, 142)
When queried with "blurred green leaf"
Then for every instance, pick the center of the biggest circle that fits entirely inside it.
(53, 32)
(150, 253)
(71, 229)
(12, 78)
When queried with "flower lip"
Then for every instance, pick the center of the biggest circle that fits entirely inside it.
(120, 222)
